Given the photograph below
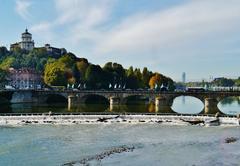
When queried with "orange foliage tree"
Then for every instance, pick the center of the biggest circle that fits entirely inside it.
(156, 79)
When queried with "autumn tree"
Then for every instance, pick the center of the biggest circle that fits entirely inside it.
(82, 67)
(156, 79)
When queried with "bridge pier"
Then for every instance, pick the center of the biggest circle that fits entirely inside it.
(73, 102)
(210, 106)
(114, 103)
(162, 105)
(114, 100)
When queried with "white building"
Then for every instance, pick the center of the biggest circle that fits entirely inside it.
(26, 44)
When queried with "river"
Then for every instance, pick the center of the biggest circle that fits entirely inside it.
(154, 144)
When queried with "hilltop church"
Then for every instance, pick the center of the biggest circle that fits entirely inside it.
(28, 44)
(29, 78)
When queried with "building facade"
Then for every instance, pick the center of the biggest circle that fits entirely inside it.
(26, 44)
(56, 52)
(25, 78)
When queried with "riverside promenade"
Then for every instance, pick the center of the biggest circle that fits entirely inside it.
(83, 118)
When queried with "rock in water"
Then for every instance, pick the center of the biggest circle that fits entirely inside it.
(230, 140)
(102, 155)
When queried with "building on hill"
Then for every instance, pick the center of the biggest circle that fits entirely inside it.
(56, 52)
(25, 78)
(26, 44)
(14, 46)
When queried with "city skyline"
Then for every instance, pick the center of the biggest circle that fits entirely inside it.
(198, 37)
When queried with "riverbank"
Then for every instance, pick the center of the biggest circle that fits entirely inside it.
(118, 118)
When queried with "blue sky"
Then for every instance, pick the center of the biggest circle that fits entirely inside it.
(199, 37)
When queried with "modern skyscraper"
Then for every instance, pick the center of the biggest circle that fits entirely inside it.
(184, 77)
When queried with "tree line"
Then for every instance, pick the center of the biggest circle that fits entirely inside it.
(218, 82)
(78, 72)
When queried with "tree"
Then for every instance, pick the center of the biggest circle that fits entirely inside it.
(76, 74)
(3, 75)
(54, 74)
(130, 71)
(7, 63)
(156, 79)
(82, 67)
(138, 75)
(152, 82)
(237, 82)
(146, 77)
(94, 76)
(3, 52)
(223, 82)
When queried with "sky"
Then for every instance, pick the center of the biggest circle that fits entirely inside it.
(199, 37)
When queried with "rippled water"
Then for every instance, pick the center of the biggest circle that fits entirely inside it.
(154, 145)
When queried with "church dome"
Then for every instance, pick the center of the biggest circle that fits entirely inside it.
(26, 32)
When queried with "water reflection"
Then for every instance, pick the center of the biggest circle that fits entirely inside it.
(187, 105)
(230, 105)
(141, 107)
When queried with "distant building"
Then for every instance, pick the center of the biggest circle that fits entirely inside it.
(218, 79)
(56, 52)
(25, 78)
(184, 77)
(14, 46)
(26, 44)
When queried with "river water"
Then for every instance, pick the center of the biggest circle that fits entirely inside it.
(154, 144)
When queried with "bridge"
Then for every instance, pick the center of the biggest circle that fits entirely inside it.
(163, 100)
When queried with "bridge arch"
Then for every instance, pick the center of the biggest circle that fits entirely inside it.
(55, 98)
(94, 99)
(5, 97)
(4, 100)
(188, 104)
(229, 105)
(136, 99)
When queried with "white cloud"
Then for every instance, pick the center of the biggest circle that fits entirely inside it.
(176, 27)
(187, 32)
(84, 17)
(22, 8)
(79, 18)
(44, 32)
(90, 13)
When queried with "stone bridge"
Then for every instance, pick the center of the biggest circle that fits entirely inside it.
(162, 100)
